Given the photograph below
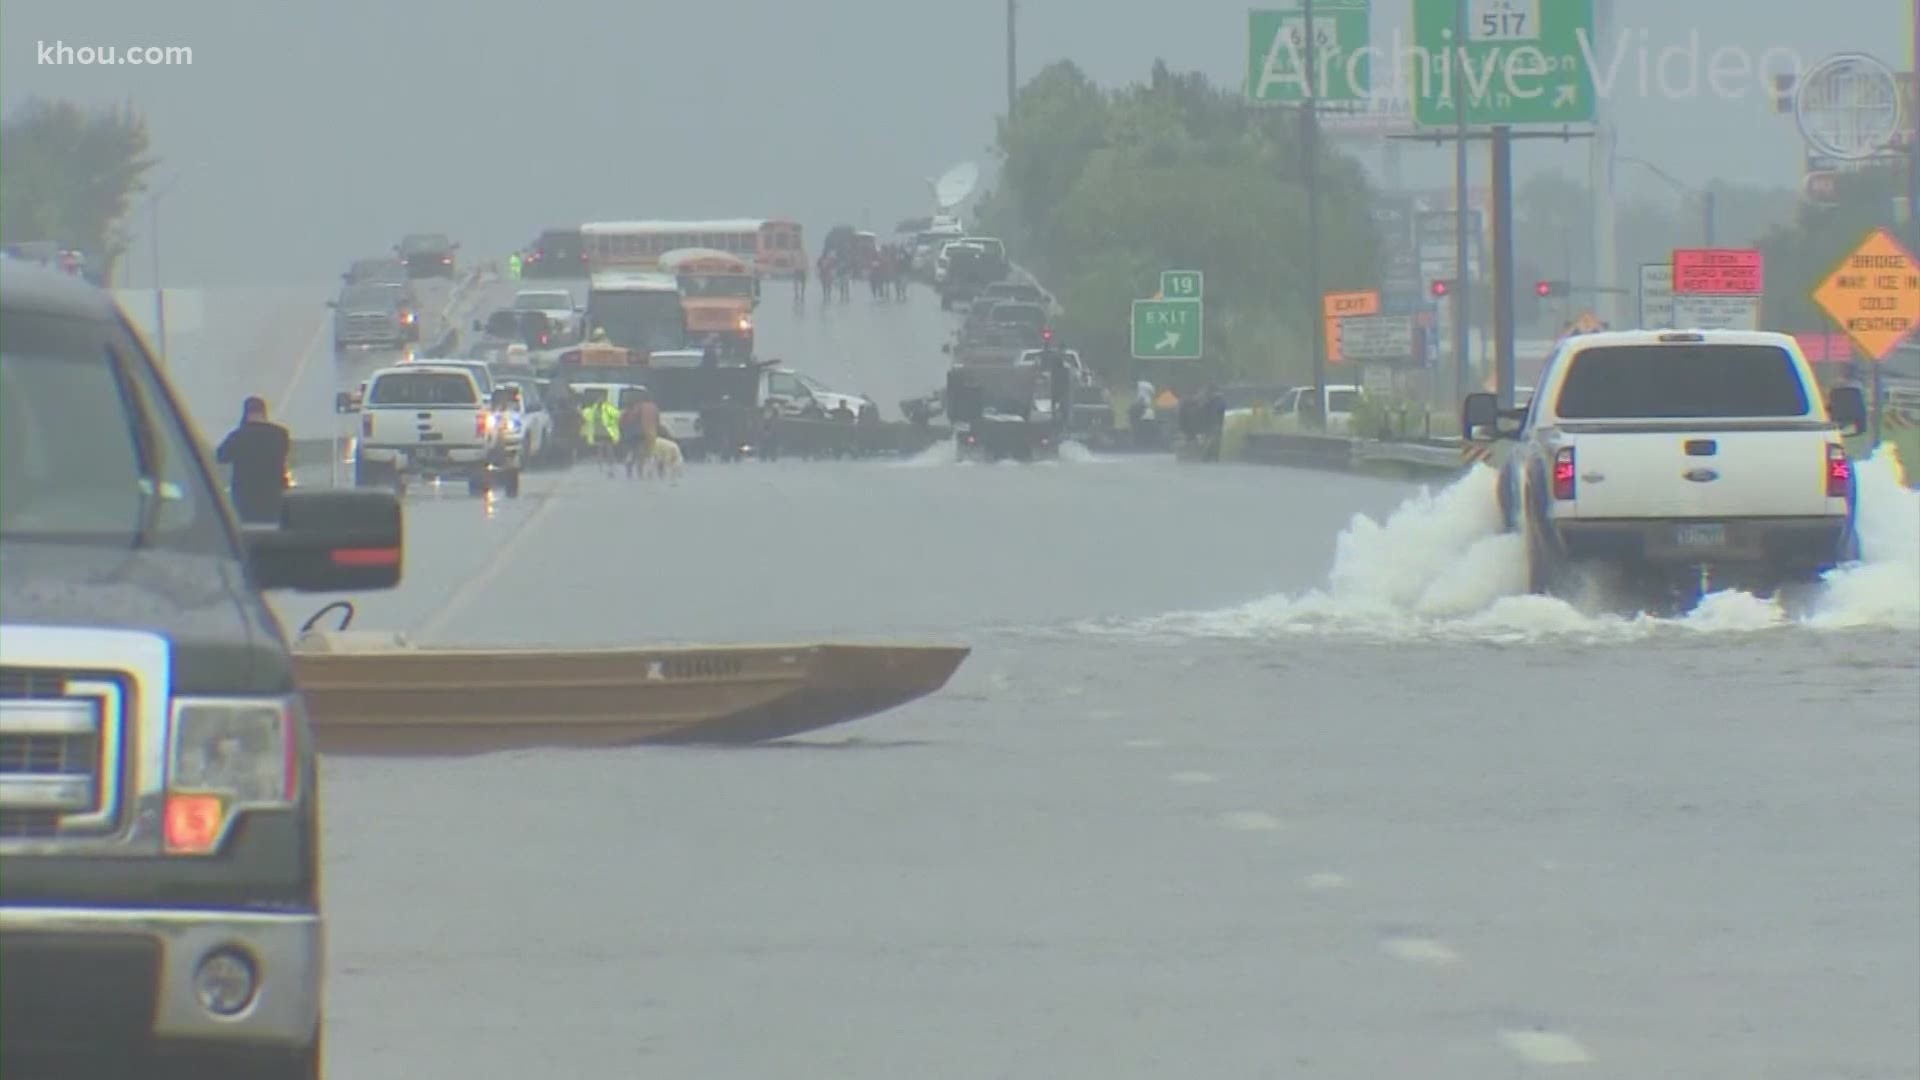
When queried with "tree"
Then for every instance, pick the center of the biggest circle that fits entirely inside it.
(1800, 255)
(68, 173)
(1100, 191)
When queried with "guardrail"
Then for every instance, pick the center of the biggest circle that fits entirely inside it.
(1337, 453)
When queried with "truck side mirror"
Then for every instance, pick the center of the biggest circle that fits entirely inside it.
(329, 541)
(343, 402)
(1847, 405)
(1479, 411)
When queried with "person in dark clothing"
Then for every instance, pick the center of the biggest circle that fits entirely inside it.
(1061, 390)
(1216, 414)
(257, 451)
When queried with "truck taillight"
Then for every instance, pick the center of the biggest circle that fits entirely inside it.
(480, 425)
(1839, 472)
(1563, 474)
(366, 425)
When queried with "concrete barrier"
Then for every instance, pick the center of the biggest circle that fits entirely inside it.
(1338, 454)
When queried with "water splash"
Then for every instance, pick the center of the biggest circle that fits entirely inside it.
(1440, 567)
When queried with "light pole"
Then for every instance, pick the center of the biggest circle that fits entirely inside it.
(159, 290)
(1705, 198)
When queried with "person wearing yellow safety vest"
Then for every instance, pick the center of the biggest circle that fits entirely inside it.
(513, 266)
(600, 427)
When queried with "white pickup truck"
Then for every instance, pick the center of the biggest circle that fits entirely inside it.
(431, 420)
(1685, 460)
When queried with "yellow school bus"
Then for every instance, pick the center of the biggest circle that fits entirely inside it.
(718, 292)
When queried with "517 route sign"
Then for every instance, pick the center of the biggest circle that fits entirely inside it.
(1167, 330)
(1523, 62)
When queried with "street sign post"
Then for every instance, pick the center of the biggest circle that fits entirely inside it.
(1277, 47)
(1718, 272)
(1874, 294)
(1167, 330)
(1181, 284)
(1336, 307)
(1525, 62)
(1656, 296)
(1711, 311)
(1377, 338)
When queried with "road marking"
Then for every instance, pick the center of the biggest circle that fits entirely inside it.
(1420, 951)
(1143, 744)
(1194, 778)
(502, 555)
(1326, 882)
(300, 366)
(1545, 1048)
(1249, 821)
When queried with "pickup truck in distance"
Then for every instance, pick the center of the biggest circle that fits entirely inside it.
(1685, 461)
(428, 420)
(160, 899)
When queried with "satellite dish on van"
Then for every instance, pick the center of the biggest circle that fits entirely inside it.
(955, 185)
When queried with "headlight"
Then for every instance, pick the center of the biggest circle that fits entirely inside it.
(226, 755)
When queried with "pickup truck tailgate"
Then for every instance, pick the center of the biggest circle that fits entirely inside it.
(409, 425)
(1631, 472)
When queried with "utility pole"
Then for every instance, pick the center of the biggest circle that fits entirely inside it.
(1013, 32)
(1462, 294)
(1309, 152)
(1503, 263)
(159, 290)
(1707, 200)
(1913, 144)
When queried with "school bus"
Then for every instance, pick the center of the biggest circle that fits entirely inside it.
(719, 292)
(772, 245)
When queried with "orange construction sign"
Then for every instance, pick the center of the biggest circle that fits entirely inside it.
(1874, 294)
(1345, 305)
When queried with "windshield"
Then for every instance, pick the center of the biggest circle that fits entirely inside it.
(704, 286)
(433, 388)
(652, 321)
(72, 394)
(370, 296)
(1682, 381)
(544, 301)
(1020, 315)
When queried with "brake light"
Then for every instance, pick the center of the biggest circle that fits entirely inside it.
(1839, 472)
(366, 425)
(480, 425)
(1563, 474)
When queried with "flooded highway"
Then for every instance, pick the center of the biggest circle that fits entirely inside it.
(1334, 800)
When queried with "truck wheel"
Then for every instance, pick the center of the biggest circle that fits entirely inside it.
(1545, 572)
(511, 483)
(477, 483)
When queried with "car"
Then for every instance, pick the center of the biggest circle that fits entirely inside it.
(160, 872)
(786, 392)
(558, 253)
(563, 315)
(1677, 462)
(427, 254)
(427, 419)
(535, 418)
(375, 316)
(1293, 410)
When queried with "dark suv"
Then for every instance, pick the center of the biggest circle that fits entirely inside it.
(159, 823)
(427, 254)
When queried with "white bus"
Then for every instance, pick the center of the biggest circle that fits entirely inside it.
(638, 310)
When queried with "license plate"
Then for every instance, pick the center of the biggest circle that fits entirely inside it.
(1700, 536)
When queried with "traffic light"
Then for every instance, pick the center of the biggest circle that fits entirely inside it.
(1544, 289)
(1442, 287)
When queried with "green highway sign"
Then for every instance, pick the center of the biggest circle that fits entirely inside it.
(1277, 49)
(1524, 62)
(1167, 330)
(1181, 284)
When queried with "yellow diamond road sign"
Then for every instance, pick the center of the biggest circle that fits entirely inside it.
(1874, 294)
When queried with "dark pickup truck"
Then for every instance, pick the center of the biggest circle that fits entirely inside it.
(159, 819)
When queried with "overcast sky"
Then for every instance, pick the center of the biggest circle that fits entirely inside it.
(306, 134)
